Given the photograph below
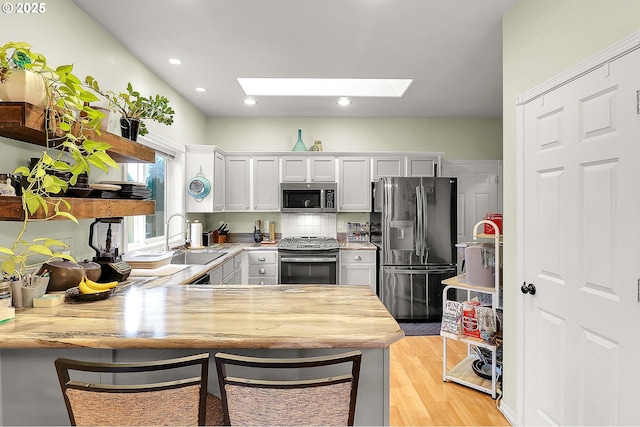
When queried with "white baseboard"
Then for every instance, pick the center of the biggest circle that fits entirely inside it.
(508, 413)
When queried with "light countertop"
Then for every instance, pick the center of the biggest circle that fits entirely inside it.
(153, 313)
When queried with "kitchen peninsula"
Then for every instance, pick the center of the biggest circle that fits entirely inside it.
(151, 318)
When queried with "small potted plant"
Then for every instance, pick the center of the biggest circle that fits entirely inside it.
(134, 107)
(68, 116)
(21, 77)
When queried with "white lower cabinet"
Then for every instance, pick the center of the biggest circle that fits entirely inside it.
(358, 267)
(215, 276)
(262, 267)
(230, 272)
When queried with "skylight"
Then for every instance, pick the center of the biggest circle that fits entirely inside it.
(324, 87)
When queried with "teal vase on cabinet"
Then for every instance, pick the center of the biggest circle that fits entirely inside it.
(299, 145)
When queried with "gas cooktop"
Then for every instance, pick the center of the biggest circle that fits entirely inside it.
(308, 242)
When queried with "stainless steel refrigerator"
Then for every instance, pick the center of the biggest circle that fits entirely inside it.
(413, 224)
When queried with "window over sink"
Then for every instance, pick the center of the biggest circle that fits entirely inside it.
(141, 229)
(163, 178)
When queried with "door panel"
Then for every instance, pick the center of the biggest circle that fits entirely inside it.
(580, 186)
(479, 192)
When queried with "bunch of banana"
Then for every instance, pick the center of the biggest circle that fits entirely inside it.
(87, 286)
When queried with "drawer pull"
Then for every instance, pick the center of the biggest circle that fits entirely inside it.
(262, 258)
(357, 257)
(262, 271)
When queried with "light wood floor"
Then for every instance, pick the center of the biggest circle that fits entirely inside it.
(418, 395)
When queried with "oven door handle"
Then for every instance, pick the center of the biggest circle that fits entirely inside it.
(326, 259)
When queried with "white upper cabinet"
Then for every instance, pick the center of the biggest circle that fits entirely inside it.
(423, 166)
(294, 169)
(411, 164)
(204, 169)
(238, 191)
(308, 169)
(218, 181)
(387, 166)
(354, 186)
(266, 183)
(322, 169)
(252, 183)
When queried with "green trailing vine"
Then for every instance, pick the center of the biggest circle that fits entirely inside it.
(70, 151)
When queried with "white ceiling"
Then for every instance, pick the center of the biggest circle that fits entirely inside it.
(451, 48)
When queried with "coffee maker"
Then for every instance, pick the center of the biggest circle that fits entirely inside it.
(104, 239)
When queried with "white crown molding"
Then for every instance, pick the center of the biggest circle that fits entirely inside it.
(162, 144)
(613, 52)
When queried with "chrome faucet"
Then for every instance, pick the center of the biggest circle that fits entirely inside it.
(166, 231)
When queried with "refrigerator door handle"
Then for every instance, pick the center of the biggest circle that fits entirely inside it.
(425, 250)
(386, 215)
(418, 226)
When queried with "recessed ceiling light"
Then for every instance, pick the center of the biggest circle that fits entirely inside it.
(324, 87)
(250, 101)
(175, 61)
(344, 101)
(201, 89)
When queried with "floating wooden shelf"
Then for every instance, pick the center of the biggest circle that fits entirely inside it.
(81, 208)
(25, 122)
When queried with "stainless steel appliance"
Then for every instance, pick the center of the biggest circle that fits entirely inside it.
(413, 223)
(104, 239)
(308, 260)
(308, 197)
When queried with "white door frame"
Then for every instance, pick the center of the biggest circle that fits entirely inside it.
(600, 59)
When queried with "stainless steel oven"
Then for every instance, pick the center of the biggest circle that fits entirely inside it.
(308, 260)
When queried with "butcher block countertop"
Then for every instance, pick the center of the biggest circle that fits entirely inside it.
(159, 313)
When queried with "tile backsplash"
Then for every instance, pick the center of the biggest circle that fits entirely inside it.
(309, 224)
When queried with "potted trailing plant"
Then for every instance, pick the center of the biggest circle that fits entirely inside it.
(134, 107)
(69, 151)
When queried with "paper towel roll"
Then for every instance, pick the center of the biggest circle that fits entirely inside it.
(196, 234)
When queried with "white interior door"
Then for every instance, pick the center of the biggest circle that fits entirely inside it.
(581, 178)
(479, 192)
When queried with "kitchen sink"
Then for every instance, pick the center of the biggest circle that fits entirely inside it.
(200, 258)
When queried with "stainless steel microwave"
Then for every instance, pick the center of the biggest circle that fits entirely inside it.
(308, 197)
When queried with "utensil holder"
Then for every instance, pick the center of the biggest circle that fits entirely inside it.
(16, 293)
(31, 292)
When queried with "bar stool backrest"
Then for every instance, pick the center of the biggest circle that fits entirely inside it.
(256, 401)
(175, 402)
